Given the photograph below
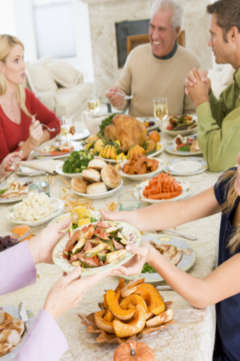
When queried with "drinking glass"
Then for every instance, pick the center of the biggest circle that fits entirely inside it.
(160, 109)
(93, 104)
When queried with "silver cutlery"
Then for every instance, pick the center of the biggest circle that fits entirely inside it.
(49, 129)
(23, 315)
(126, 97)
(164, 288)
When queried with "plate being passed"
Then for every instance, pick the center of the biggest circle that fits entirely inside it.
(188, 166)
(30, 172)
(13, 311)
(107, 194)
(186, 262)
(171, 149)
(138, 192)
(59, 206)
(140, 177)
(128, 231)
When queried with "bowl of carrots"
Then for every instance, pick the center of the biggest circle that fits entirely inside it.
(162, 187)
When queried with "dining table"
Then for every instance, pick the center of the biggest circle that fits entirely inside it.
(190, 337)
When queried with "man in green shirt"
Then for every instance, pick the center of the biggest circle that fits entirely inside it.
(219, 119)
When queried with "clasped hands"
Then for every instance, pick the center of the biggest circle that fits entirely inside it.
(197, 86)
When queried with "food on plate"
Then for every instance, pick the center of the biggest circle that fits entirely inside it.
(11, 332)
(97, 245)
(22, 232)
(149, 123)
(56, 148)
(131, 310)
(140, 165)
(14, 189)
(91, 175)
(181, 122)
(162, 186)
(34, 207)
(187, 143)
(154, 135)
(93, 181)
(97, 163)
(120, 137)
(6, 242)
(77, 162)
(82, 215)
(128, 130)
(111, 176)
(173, 253)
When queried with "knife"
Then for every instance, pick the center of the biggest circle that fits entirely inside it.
(23, 315)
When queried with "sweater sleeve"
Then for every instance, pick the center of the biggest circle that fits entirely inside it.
(17, 268)
(4, 150)
(125, 80)
(42, 113)
(45, 341)
(219, 144)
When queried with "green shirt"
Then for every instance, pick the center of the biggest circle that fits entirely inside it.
(219, 127)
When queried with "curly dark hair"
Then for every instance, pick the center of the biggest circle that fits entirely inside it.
(228, 14)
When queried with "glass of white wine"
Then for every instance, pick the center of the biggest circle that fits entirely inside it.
(160, 110)
(94, 104)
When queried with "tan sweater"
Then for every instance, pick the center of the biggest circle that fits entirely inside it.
(148, 77)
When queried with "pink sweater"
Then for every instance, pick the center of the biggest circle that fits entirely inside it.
(17, 270)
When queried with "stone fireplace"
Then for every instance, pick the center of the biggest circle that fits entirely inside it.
(104, 14)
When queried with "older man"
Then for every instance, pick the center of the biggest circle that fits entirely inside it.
(158, 68)
(219, 119)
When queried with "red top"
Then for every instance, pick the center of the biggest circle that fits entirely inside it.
(11, 134)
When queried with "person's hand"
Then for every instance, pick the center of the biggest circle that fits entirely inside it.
(69, 289)
(11, 162)
(194, 76)
(116, 97)
(35, 133)
(136, 263)
(42, 245)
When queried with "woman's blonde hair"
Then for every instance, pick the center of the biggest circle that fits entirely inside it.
(7, 42)
(232, 195)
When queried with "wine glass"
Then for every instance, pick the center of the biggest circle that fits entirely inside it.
(160, 109)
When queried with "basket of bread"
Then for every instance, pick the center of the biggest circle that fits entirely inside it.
(132, 310)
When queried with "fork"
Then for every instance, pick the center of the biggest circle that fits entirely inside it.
(126, 97)
(49, 129)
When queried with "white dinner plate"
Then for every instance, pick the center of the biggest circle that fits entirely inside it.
(128, 231)
(152, 120)
(79, 135)
(107, 194)
(186, 263)
(188, 166)
(184, 132)
(59, 170)
(171, 149)
(12, 310)
(58, 210)
(156, 152)
(4, 185)
(43, 151)
(140, 177)
(138, 192)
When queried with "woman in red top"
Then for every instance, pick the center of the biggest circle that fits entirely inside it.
(21, 113)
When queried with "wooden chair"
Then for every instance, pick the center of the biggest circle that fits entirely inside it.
(135, 40)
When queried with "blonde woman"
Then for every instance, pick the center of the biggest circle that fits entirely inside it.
(222, 286)
(21, 113)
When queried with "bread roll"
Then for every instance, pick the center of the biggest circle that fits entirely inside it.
(110, 176)
(97, 163)
(91, 175)
(96, 188)
(79, 185)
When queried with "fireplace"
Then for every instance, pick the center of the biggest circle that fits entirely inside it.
(125, 35)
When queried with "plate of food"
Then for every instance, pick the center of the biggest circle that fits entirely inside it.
(35, 209)
(175, 249)
(183, 124)
(162, 187)
(12, 332)
(13, 190)
(184, 146)
(149, 122)
(188, 166)
(73, 133)
(55, 149)
(141, 167)
(99, 180)
(96, 247)
(76, 162)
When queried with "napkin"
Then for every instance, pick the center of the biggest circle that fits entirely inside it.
(48, 165)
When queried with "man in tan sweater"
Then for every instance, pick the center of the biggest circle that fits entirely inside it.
(158, 68)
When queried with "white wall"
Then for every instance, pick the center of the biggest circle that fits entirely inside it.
(7, 17)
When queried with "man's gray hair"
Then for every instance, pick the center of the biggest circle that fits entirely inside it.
(169, 4)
